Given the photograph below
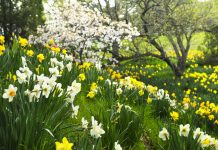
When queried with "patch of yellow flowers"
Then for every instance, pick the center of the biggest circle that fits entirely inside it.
(2, 47)
(209, 111)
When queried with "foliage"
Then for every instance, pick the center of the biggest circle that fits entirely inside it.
(211, 41)
(20, 17)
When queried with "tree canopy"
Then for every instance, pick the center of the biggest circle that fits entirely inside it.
(20, 17)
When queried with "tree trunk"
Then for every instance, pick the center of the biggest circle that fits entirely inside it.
(115, 50)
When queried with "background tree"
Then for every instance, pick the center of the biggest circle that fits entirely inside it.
(211, 38)
(175, 20)
(20, 17)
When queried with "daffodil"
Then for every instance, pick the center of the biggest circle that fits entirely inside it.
(164, 134)
(84, 123)
(40, 57)
(75, 111)
(96, 130)
(30, 53)
(117, 146)
(65, 145)
(91, 94)
(2, 39)
(23, 42)
(2, 49)
(119, 91)
(184, 130)
(141, 92)
(82, 77)
(174, 115)
(149, 100)
(64, 51)
(100, 78)
(10, 93)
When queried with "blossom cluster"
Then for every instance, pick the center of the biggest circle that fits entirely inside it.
(80, 28)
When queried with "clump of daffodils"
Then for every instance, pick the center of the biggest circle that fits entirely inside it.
(202, 138)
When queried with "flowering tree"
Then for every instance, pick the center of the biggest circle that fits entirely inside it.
(81, 29)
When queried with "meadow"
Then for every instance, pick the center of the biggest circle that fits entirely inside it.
(82, 76)
(48, 100)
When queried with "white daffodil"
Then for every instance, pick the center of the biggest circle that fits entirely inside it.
(61, 65)
(206, 141)
(98, 65)
(29, 94)
(119, 91)
(68, 57)
(59, 88)
(75, 111)
(197, 134)
(96, 130)
(84, 123)
(24, 61)
(216, 144)
(167, 96)
(74, 89)
(10, 93)
(41, 79)
(119, 107)
(184, 130)
(53, 62)
(69, 66)
(51, 81)
(26, 71)
(21, 77)
(108, 81)
(160, 94)
(172, 103)
(36, 91)
(164, 134)
(186, 106)
(117, 146)
(46, 89)
(54, 71)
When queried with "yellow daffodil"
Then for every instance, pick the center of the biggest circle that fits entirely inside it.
(40, 57)
(2, 39)
(174, 115)
(30, 53)
(82, 77)
(23, 42)
(91, 94)
(65, 145)
(64, 51)
(2, 49)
